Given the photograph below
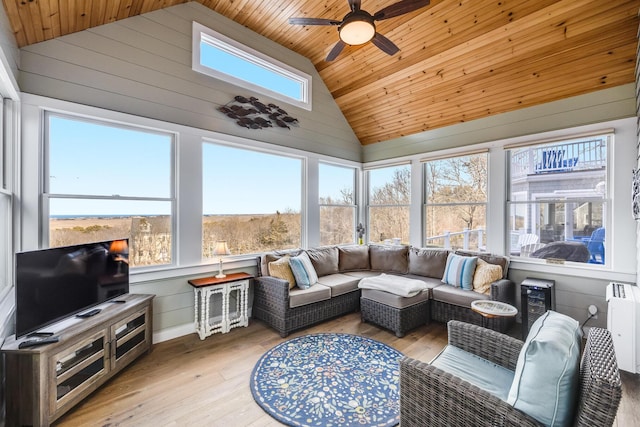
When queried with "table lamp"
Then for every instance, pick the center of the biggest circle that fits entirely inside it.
(220, 250)
(120, 251)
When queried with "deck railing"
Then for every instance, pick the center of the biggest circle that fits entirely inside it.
(471, 239)
(569, 157)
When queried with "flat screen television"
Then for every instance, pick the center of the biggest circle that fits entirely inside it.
(55, 283)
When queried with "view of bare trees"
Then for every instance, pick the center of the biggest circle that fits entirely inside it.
(337, 217)
(389, 208)
(246, 234)
(456, 198)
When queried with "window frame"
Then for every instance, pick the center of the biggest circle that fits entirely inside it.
(267, 151)
(355, 198)
(47, 196)
(367, 177)
(482, 233)
(7, 133)
(201, 33)
(607, 201)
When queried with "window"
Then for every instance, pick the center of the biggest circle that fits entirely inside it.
(389, 199)
(223, 58)
(6, 216)
(106, 181)
(251, 199)
(337, 204)
(558, 200)
(456, 201)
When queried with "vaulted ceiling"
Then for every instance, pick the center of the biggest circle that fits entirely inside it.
(459, 60)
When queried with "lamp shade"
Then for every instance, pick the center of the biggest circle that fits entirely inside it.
(221, 248)
(357, 31)
(119, 247)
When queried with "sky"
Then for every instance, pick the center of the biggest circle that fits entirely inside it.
(88, 158)
(218, 59)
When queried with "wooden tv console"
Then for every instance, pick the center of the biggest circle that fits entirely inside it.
(44, 382)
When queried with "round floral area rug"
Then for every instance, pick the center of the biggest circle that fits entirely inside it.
(335, 380)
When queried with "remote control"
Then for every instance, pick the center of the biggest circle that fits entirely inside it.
(39, 341)
(88, 313)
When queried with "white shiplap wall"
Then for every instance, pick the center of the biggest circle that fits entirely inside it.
(9, 59)
(142, 66)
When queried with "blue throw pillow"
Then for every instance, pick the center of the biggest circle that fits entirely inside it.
(302, 278)
(546, 380)
(459, 271)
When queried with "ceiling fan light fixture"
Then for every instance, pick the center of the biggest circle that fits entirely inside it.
(357, 31)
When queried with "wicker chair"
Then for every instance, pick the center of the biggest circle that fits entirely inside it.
(431, 397)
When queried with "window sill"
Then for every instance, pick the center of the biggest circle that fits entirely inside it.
(593, 271)
(169, 272)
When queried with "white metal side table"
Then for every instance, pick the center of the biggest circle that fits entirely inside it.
(205, 289)
(489, 309)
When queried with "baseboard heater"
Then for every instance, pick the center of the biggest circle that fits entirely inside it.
(623, 319)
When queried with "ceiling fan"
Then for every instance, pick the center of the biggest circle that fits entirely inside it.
(358, 26)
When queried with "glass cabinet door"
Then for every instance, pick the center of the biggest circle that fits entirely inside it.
(77, 365)
(129, 337)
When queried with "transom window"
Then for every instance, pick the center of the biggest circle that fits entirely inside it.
(105, 181)
(558, 200)
(456, 201)
(226, 59)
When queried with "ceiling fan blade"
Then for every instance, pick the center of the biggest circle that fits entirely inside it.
(335, 50)
(384, 44)
(354, 5)
(313, 21)
(400, 8)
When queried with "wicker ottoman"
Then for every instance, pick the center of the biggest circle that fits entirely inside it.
(394, 312)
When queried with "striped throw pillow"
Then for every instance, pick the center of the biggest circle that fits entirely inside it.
(459, 271)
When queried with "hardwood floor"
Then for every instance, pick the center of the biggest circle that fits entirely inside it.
(189, 382)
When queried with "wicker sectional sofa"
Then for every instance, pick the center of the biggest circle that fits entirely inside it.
(287, 308)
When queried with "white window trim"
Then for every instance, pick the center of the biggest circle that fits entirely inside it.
(304, 160)
(356, 214)
(202, 33)
(423, 187)
(46, 195)
(607, 201)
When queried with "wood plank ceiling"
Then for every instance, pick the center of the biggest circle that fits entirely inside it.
(459, 60)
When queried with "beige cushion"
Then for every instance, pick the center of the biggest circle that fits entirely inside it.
(354, 257)
(299, 297)
(362, 274)
(389, 259)
(393, 300)
(500, 260)
(485, 275)
(428, 262)
(274, 256)
(431, 282)
(282, 270)
(324, 260)
(456, 296)
(339, 283)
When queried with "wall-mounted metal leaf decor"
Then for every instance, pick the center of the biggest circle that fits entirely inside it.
(253, 114)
